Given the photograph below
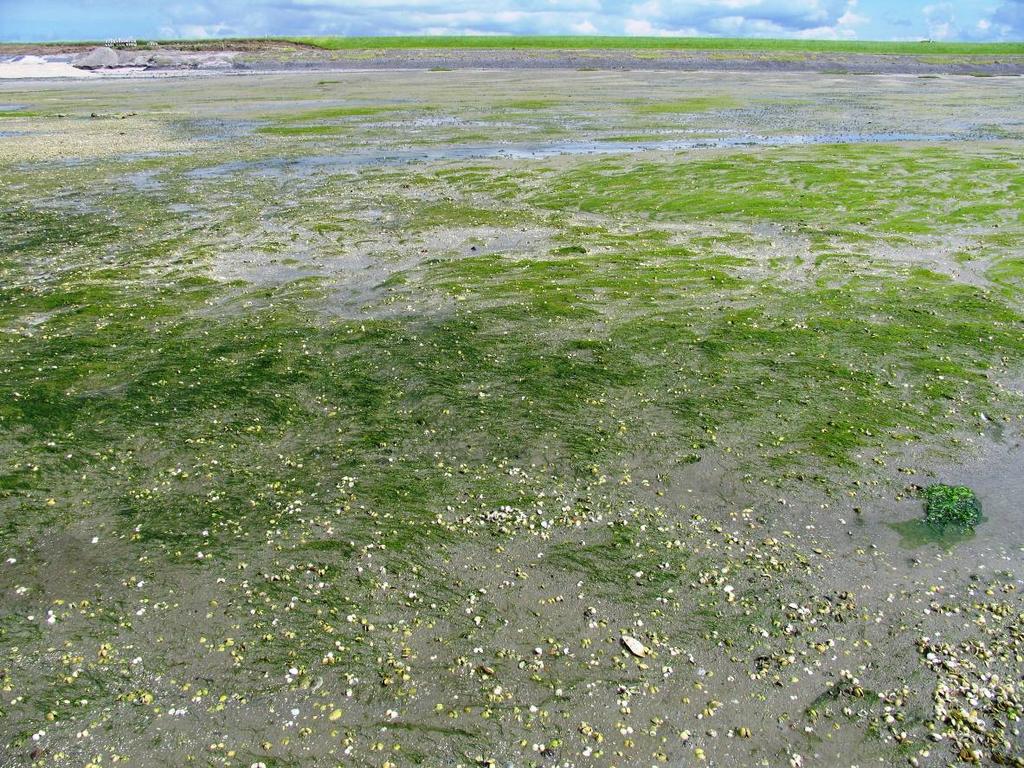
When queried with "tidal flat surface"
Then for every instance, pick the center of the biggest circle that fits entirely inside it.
(510, 419)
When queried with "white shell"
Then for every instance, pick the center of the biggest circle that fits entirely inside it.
(634, 646)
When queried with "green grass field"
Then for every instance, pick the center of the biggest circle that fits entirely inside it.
(598, 42)
(663, 43)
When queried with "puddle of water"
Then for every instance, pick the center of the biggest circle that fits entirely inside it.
(222, 130)
(143, 181)
(998, 482)
(918, 533)
(554, 149)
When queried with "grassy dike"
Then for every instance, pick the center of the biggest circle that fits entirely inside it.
(592, 42)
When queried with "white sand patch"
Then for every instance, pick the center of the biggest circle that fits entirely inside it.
(37, 66)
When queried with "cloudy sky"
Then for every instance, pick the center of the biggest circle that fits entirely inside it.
(853, 19)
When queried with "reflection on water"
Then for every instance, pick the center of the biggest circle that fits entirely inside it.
(918, 533)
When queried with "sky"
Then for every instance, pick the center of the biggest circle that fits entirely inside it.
(968, 20)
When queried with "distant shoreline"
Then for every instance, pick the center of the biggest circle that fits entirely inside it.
(440, 54)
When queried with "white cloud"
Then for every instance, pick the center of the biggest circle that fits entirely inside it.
(638, 27)
(737, 5)
(939, 20)
(1008, 20)
(650, 8)
(851, 19)
(762, 18)
(964, 19)
(646, 29)
(584, 27)
(819, 33)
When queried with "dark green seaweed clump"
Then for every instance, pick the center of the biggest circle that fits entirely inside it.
(955, 505)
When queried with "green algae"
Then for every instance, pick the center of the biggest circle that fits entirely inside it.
(951, 506)
(685, 106)
(302, 130)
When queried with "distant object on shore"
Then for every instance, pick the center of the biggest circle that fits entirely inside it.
(36, 66)
(97, 58)
(144, 58)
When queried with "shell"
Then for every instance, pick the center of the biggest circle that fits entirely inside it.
(634, 646)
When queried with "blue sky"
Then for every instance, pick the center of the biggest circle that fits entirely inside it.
(844, 19)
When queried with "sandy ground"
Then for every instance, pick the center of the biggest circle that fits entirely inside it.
(23, 67)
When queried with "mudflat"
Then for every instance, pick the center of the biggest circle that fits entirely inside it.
(535, 417)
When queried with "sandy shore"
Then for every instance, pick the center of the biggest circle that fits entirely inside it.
(23, 67)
